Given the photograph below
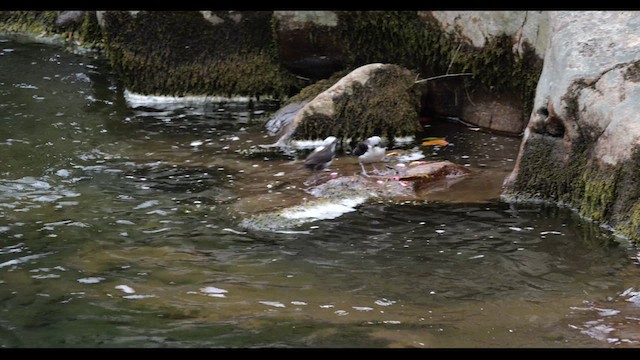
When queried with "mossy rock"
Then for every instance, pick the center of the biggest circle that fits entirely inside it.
(86, 32)
(375, 99)
(181, 53)
(419, 43)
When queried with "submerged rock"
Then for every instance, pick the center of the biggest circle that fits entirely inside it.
(341, 195)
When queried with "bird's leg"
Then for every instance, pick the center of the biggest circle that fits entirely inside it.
(375, 170)
(312, 180)
(364, 172)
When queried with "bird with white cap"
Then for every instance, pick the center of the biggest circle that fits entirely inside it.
(370, 151)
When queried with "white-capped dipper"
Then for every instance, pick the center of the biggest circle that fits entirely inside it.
(369, 152)
(322, 156)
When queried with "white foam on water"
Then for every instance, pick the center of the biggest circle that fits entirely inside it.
(147, 204)
(125, 222)
(551, 233)
(392, 322)
(384, 302)
(45, 276)
(403, 140)
(90, 280)
(299, 303)
(323, 211)
(326, 306)
(217, 295)
(362, 308)
(476, 257)
(607, 312)
(23, 259)
(306, 144)
(156, 230)
(172, 102)
(138, 297)
(125, 288)
(341, 312)
(412, 156)
(272, 303)
(234, 231)
(63, 173)
(515, 228)
(213, 290)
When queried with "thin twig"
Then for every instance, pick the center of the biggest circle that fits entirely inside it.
(468, 96)
(453, 58)
(443, 76)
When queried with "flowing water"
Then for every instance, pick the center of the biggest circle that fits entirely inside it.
(119, 227)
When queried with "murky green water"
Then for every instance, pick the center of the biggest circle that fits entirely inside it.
(119, 228)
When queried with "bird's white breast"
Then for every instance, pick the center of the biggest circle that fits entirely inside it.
(374, 154)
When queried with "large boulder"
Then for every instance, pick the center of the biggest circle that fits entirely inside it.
(377, 98)
(222, 53)
(582, 144)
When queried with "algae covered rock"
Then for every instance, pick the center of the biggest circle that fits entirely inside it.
(582, 144)
(372, 99)
(180, 53)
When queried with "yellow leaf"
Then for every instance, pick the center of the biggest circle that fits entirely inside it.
(414, 163)
(435, 142)
(392, 153)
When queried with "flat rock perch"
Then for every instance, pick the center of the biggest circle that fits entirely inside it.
(343, 194)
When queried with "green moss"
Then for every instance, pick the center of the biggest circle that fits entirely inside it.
(181, 53)
(625, 212)
(387, 105)
(34, 22)
(596, 192)
(90, 33)
(37, 23)
(545, 174)
(404, 38)
(604, 193)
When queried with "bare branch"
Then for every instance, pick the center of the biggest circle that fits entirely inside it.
(453, 58)
(443, 76)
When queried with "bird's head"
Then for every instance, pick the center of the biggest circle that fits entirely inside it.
(330, 140)
(374, 141)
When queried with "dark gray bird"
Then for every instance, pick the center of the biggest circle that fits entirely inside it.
(370, 151)
(322, 156)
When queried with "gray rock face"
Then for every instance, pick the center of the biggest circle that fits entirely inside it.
(589, 83)
(478, 26)
(585, 117)
(500, 113)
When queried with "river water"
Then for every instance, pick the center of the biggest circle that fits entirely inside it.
(119, 227)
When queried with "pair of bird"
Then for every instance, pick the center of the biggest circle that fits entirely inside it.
(368, 151)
